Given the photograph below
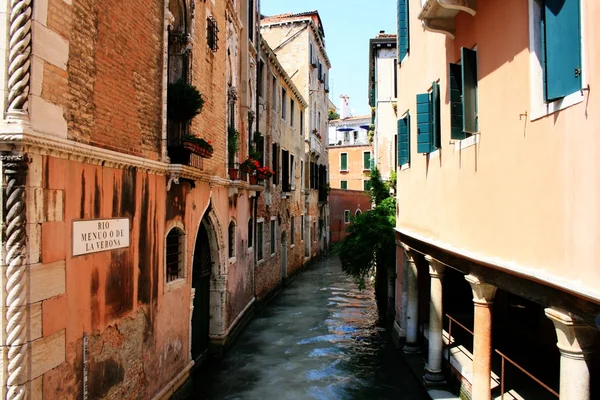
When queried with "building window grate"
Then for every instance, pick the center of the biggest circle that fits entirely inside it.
(174, 250)
(212, 31)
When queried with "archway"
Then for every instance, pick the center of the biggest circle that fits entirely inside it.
(201, 274)
(284, 247)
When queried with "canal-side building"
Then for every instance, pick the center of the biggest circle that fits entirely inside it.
(125, 236)
(350, 162)
(283, 230)
(382, 99)
(298, 40)
(498, 223)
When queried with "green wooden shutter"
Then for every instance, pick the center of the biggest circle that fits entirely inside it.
(469, 81)
(436, 139)
(424, 123)
(562, 36)
(344, 162)
(366, 160)
(404, 140)
(456, 105)
(402, 29)
(344, 185)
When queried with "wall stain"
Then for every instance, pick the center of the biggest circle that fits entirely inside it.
(97, 197)
(103, 375)
(82, 205)
(119, 285)
(145, 250)
(95, 302)
(176, 201)
(128, 184)
(115, 198)
(46, 173)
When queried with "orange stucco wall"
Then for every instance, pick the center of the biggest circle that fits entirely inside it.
(527, 194)
(356, 173)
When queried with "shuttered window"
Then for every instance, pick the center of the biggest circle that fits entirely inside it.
(403, 29)
(404, 140)
(428, 120)
(366, 160)
(344, 185)
(344, 161)
(464, 119)
(561, 41)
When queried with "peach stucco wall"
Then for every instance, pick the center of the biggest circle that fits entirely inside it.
(356, 174)
(527, 195)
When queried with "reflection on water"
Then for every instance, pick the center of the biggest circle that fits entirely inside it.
(319, 339)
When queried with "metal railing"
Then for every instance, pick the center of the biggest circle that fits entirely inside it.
(503, 358)
(536, 380)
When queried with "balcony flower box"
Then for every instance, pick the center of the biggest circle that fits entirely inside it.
(249, 165)
(264, 172)
(198, 146)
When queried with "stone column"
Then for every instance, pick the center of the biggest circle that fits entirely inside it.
(575, 343)
(483, 298)
(412, 306)
(433, 370)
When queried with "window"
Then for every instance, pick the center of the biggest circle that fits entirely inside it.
(344, 185)
(344, 162)
(561, 52)
(250, 228)
(292, 172)
(358, 212)
(312, 55)
(292, 231)
(212, 31)
(396, 150)
(404, 140)
(283, 103)
(251, 20)
(259, 240)
(273, 236)
(231, 239)
(174, 250)
(274, 93)
(261, 77)
(403, 29)
(463, 96)
(346, 216)
(367, 185)
(428, 120)
(302, 228)
(292, 111)
(302, 180)
(395, 79)
(366, 160)
(275, 163)
(302, 122)
(285, 170)
(315, 231)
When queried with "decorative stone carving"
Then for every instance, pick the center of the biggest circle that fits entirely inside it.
(13, 237)
(19, 58)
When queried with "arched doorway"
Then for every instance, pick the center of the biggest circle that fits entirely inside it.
(284, 248)
(201, 274)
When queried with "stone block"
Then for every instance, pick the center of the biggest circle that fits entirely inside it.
(53, 205)
(33, 320)
(34, 172)
(40, 11)
(49, 46)
(47, 280)
(37, 76)
(47, 117)
(34, 240)
(47, 353)
(35, 203)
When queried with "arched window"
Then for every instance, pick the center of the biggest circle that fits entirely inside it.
(250, 228)
(174, 249)
(231, 239)
(358, 212)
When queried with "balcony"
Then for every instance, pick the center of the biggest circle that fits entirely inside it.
(315, 144)
(439, 15)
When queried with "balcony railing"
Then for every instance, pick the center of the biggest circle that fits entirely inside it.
(315, 144)
(177, 152)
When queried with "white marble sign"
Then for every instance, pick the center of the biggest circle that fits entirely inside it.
(92, 236)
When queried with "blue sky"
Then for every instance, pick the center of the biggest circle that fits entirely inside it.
(349, 25)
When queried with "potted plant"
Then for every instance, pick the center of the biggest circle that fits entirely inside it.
(233, 143)
(264, 172)
(184, 101)
(198, 145)
(249, 165)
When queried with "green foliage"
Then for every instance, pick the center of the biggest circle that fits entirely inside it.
(371, 242)
(380, 190)
(184, 101)
(393, 180)
(233, 142)
(333, 115)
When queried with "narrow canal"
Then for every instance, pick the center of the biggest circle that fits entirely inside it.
(319, 339)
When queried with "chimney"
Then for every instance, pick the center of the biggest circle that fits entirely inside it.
(344, 106)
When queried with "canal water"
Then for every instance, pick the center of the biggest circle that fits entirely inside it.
(320, 338)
